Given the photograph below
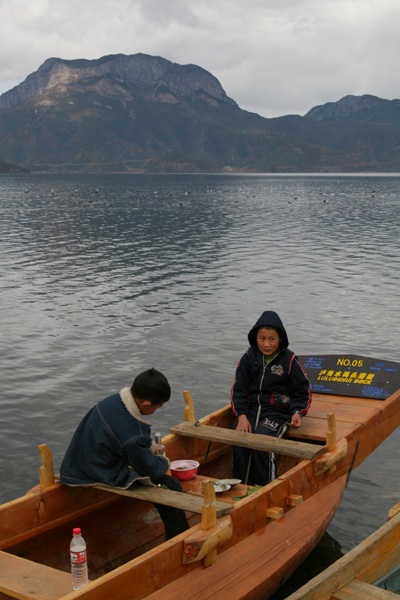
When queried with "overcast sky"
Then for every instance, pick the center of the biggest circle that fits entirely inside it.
(273, 57)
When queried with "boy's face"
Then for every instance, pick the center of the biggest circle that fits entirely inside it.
(267, 341)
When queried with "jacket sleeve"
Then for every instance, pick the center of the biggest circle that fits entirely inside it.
(240, 388)
(300, 391)
(142, 459)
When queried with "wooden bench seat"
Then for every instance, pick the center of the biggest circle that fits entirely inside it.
(27, 580)
(156, 495)
(256, 441)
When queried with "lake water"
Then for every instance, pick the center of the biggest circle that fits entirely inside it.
(105, 276)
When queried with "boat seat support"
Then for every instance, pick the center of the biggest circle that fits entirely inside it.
(329, 460)
(203, 544)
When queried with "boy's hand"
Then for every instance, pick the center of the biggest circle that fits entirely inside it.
(243, 424)
(296, 420)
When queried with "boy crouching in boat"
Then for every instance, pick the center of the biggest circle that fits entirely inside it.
(113, 445)
(270, 393)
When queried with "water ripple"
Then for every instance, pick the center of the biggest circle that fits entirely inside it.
(104, 276)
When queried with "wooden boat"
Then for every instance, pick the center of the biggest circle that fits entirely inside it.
(355, 575)
(243, 544)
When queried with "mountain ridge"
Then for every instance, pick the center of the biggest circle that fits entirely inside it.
(137, 68)
(141, 113)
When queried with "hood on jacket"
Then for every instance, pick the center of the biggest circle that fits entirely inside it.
(269, 318)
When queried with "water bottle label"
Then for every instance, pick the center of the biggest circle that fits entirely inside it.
(78, 557)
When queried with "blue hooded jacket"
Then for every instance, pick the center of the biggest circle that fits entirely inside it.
(281, 383)
(112, 446)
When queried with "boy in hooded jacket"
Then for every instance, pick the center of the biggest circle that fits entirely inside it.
(270, 393)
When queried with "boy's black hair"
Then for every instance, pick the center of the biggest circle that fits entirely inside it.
(151, 385)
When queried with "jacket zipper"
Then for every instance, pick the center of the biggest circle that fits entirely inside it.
(259, 395)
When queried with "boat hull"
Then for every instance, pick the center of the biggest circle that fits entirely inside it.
(273, 528)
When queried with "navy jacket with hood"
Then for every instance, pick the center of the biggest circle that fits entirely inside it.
(112, 446)
(281, 383)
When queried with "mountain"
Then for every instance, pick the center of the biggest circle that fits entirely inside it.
(360, 109)
(6, 167)
(143, 113)
(364, 128)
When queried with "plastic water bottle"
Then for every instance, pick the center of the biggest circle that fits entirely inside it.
(160, 448)
(78, 553)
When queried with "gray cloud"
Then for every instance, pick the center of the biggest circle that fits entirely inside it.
(273, 57)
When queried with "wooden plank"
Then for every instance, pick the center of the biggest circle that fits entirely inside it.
(368, 561)
(27, 580)
(314, 428)
(265, 443)
(167, 497)
(359, 402)
(345, 409)
(349, 413)
(358, 590)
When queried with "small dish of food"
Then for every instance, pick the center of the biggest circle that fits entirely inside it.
(219, 487)
(230, 482)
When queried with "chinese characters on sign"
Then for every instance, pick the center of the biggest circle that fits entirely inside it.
(358, 376)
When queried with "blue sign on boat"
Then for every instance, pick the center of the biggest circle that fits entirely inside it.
(351, 375)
